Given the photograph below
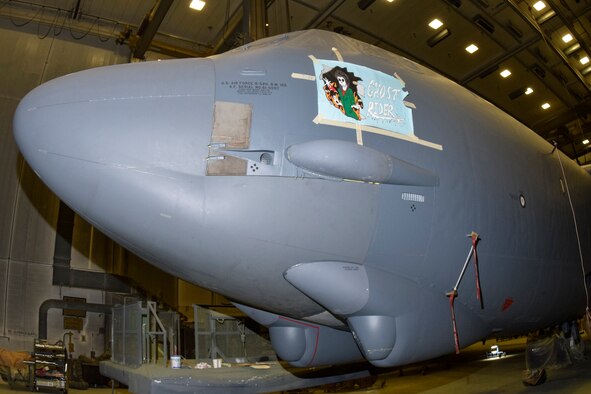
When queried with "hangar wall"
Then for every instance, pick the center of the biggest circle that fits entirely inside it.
(29, 210)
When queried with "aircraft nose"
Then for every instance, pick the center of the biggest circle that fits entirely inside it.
(149, 117)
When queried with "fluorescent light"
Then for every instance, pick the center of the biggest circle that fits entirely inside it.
(471, 48)
(435, 24)
(585, 141)
(545, 106)
(584, 60)
(197, 5)
(529, 91)
(505, 73)
(567, 38)
(539, 6)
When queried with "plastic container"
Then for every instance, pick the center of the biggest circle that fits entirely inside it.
(175, 361)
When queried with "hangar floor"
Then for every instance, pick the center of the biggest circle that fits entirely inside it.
(470, 372)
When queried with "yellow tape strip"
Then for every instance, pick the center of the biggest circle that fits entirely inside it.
(307, 77)
(370, 129)
(359, 133)
(337, 54)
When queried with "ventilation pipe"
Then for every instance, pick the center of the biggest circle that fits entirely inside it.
(62, 304)
(63, 275)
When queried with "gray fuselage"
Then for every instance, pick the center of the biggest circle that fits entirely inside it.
(134, 149)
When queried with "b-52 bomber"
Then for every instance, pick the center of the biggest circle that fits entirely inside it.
(356, 203)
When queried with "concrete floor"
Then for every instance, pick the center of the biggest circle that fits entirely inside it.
(469, 372)
(4, 389)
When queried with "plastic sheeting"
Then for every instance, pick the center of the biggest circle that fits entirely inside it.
(127, 334)
(155, 379)
(548, 352)
(219, 335)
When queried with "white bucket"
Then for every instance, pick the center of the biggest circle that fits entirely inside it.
(175, 361)
(217, 362)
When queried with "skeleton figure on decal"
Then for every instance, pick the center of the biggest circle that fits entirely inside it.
(343, 91)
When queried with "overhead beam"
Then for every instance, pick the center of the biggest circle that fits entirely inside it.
(228, 30)
(250, 17)
(149, 27)
(497, 60)
(391, 46)
(283, 23)
(534, 25)
(253, 20)
(324, 14)
(567, 22)
(580, 111)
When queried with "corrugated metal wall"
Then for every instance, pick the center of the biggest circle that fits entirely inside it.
(28, 210)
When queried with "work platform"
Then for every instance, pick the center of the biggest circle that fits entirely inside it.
(145, 343)
(239, 378)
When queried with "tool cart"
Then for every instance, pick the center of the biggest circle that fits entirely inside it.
(51, 366)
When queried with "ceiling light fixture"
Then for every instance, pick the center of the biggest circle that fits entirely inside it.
(528, 91)
(545, 106)
(539, 6)
(435, 24)
(505, 73)
(567, 38)
(585, 141)
(197, 5)
(471, 48)
(584, 60)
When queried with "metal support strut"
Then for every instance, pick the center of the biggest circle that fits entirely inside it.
(453, 294)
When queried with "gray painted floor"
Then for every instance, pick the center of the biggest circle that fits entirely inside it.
(469, 372)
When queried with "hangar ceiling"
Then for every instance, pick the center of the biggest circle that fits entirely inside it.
(545, 45)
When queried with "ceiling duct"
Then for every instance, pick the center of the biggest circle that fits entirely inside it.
(515, 32)
(538, 52)
(364, 4)
(539, 71)
(545, 17)
(517, 93)
(484, 24)
(437, 38)
(572, 49)
(455, 3)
